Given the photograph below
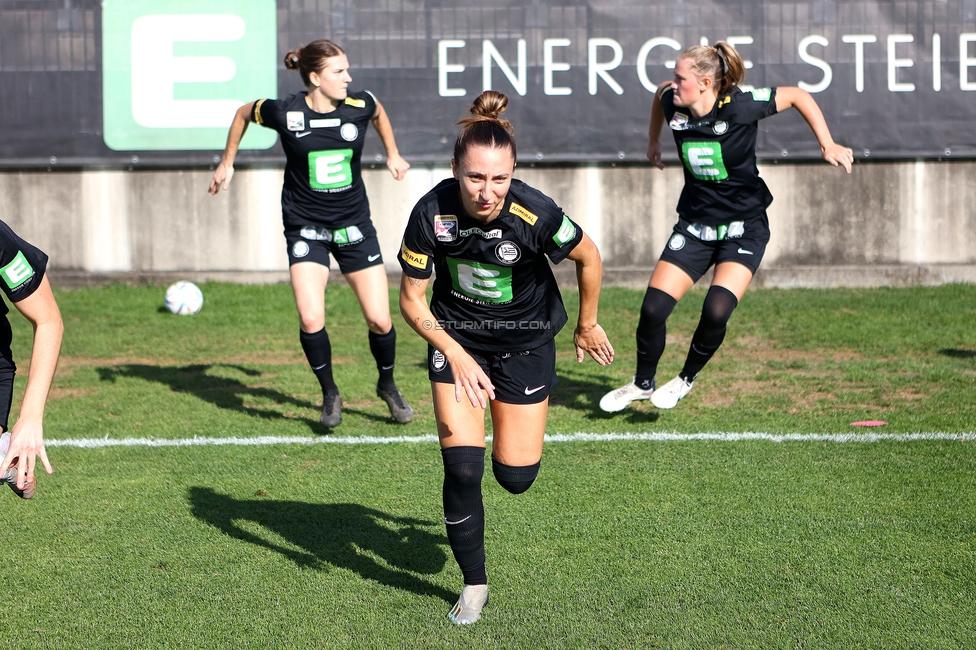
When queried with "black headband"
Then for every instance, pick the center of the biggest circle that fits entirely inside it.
(721, 58)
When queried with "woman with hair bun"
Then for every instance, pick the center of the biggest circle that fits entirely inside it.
(722, 210)
(325, 209)
(491, 322)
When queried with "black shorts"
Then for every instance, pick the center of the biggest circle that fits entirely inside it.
(519, 377)
(354, 247)
(695, 248)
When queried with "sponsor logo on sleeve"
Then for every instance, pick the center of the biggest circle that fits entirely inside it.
(356, 103)
(566, 232)
(445, 227)
(416, 260)
(523, 214)
(295, 120)
(761, 94)
(17, 272)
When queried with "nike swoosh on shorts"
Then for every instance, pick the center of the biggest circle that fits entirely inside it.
(373, 258)
(743, 251)
(529, 391)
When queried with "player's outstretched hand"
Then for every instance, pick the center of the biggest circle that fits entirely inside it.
(397, 166)
(654, 154)
(470, 379)
(26, 444)
(221, 179)
(593, 341)
(838, 154)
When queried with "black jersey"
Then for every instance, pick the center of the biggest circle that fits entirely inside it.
(718, 150)
(323, 174)
(493, 289)
(22, 267)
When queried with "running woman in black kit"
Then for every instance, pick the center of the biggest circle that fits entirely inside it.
(490, 324)
(325, 209)
(722, 209)
(24, 282)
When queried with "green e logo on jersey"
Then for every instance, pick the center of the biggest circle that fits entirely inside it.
(17, 272)
(704, 160)
(174, 72)
(328, 170)
(480, 281)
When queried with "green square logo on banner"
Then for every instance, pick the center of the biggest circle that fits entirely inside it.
(174, 72)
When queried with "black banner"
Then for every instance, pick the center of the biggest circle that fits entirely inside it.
(155, 82)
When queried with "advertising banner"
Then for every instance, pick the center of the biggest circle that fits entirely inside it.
(157, 82)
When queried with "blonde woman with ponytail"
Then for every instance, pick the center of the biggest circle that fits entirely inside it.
(722, 210)
(490, 324)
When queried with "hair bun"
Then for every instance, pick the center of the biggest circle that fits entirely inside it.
(489, 104)
(293, 58)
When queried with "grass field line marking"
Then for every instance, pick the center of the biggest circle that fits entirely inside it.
(200, 441)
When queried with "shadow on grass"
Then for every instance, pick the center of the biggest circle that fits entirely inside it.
(384, 548)
(223, 392)
(581, 393)
(958, 353)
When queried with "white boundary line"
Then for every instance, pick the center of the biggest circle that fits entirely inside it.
(92, 443)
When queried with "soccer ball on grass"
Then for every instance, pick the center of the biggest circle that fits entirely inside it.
(184, 298)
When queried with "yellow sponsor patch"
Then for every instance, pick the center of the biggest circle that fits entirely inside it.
(416, 260)
(524, 214)
(257, 112)
(356, 103)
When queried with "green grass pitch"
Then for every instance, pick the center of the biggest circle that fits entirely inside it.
(621, 543)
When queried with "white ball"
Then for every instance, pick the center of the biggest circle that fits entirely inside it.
(184, 298)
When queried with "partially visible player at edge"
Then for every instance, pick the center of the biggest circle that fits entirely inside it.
(722, 210)
(325, 208)
(23, 281)
(491, 322)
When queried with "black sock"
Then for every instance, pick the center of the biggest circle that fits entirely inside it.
(514, 478)
(318, 351)
(383, 347)
(718, 308)
(652, 334)
(464, 510)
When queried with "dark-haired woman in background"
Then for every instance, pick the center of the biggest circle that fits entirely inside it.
(325, 209)
(491, 322)
(722, 210)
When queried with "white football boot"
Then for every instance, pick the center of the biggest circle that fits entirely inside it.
(468, 607)
(668, 395)
(617, 400)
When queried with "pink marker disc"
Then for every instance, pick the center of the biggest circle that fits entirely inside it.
(869, 423)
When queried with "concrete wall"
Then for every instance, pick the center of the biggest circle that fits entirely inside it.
(888, 223)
